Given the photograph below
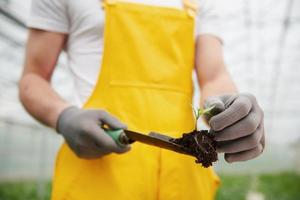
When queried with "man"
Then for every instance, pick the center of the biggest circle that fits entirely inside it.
(133, 70)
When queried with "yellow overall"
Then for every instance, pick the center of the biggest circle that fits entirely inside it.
(146, 82)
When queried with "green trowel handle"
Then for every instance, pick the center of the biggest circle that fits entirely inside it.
(116, 136)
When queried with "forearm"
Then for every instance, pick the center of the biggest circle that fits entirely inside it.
(36, 93)
(222, 84)
(40, 100)
(213, 77)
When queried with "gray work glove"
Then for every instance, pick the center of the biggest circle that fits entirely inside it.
(237, 122)
(83, 132)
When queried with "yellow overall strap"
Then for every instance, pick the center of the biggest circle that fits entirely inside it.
(191, 7)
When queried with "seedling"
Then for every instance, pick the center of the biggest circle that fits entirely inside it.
(198, 112)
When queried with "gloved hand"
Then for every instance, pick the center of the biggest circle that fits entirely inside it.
(83, 132)
(237, 122)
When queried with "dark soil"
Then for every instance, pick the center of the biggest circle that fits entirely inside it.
(199, 144)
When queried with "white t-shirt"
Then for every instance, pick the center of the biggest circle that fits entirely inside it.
(83, 21)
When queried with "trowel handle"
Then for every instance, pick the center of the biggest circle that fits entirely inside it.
(118, 136)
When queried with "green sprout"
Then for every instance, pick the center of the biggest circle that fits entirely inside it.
(198, 112)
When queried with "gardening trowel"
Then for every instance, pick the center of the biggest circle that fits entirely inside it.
(124, 137)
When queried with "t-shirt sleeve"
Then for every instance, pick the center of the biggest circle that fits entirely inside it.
(49, 15)
(208, 19)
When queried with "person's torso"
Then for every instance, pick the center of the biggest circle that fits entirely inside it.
(85, 42)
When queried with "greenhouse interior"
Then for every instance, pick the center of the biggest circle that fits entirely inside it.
(262, 53)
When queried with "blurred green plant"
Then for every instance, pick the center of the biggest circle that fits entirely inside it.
(28, 190)
(280, 186)
(284, 186)
(233, 187)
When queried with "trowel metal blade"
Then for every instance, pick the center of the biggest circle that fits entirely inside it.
(156, 139)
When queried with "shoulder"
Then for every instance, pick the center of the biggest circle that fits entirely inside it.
(49, 15)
